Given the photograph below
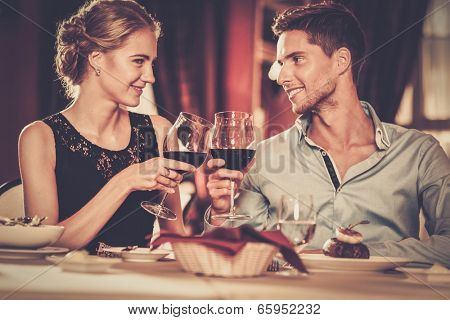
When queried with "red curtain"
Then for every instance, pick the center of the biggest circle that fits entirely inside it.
(205, 56)
(205, 65)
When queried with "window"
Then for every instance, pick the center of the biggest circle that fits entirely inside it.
(426, 101)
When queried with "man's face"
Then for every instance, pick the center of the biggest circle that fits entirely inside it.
(306, 71)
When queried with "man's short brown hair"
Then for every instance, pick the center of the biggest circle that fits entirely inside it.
(330, 26)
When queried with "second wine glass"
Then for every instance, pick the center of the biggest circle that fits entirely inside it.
(233, 140)
(187, 141)
(297, 219)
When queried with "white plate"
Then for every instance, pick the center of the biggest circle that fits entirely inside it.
(139, 254)
(23, 254)
(375, 263)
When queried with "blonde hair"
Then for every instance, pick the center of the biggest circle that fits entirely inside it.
(99, 25)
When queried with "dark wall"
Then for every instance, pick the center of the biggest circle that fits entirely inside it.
(18, 85)
(29, 89)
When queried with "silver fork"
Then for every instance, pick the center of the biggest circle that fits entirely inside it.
(275, 265)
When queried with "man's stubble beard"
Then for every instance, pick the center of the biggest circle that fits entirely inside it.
(318, 100)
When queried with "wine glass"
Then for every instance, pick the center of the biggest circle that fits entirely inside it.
(187, 141)
(233, 140)
(297, 219)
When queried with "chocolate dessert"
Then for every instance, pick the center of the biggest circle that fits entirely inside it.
(347, 244)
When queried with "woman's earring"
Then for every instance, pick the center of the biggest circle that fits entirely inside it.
(97, 72)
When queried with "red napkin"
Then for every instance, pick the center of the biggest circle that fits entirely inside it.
(232, 240)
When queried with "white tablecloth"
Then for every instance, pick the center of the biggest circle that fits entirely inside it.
(166, 280)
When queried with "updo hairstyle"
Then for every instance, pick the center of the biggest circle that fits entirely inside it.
(99, 25)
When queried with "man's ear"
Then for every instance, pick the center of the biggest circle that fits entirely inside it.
(343, 58)
(95, 59)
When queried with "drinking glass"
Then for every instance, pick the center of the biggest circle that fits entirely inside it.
(297, 219)
(187, 141)
(233, 140)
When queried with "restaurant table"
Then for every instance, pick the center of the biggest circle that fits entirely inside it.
(39, 279)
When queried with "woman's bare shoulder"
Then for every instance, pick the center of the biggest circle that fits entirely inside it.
(37, 139)
(36, 132)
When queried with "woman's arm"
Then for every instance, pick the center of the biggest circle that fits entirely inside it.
(37, 158)
(37, 161)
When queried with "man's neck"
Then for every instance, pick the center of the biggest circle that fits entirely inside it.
(341, 125)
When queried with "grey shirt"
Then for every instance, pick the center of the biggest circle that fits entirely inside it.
(409, 171)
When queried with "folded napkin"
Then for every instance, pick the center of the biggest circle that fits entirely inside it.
(231, 240)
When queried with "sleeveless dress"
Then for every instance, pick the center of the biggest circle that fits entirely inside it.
(83, 168)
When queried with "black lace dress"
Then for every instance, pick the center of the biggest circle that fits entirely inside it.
(83, 168)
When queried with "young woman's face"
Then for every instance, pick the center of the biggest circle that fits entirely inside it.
(124, 72)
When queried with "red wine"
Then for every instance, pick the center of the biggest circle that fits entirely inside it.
(194, 158)
(235, 159)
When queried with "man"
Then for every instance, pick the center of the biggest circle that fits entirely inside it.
(356, 167)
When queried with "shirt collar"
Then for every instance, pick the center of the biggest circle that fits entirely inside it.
(381, 137)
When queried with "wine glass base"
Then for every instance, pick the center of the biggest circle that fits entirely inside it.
(232, 217)
(158, 210)
(298, 248)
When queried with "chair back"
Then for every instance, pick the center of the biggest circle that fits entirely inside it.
(11, 199)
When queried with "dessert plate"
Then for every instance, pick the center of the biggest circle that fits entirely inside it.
(374, 263)
(24, 254)
(138, 254)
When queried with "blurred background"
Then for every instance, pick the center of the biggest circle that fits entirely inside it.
(215, 55)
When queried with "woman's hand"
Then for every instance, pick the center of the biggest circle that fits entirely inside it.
(154, 174)
(219, 185)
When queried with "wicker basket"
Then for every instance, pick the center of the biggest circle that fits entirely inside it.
(251, 261)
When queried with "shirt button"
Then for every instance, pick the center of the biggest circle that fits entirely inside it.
(324, 153)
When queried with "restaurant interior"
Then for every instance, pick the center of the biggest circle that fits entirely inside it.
(213, 56)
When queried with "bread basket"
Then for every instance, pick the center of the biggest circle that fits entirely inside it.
(252, 260)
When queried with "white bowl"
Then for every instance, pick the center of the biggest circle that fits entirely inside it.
(251, 261)
(29, 237)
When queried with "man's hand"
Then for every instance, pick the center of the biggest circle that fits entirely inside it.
(220, 183)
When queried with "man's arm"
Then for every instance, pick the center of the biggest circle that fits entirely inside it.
(434, 192)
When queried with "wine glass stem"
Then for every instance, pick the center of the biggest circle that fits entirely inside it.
(161, 203)
(232, 199)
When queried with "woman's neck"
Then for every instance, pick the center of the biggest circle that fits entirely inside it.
(93, 113)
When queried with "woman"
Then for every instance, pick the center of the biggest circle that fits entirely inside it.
(86, 167)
